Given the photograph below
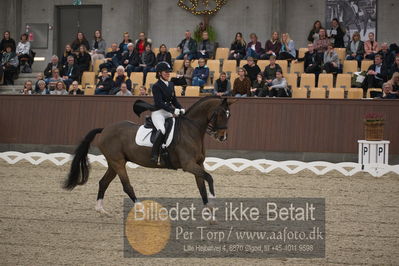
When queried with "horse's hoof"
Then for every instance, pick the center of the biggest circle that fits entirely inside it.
(103, 212)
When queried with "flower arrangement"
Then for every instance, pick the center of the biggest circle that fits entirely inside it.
(374, 117)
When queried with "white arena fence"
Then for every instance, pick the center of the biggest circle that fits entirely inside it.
(211, 164)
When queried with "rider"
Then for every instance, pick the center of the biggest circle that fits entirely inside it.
(166, 104)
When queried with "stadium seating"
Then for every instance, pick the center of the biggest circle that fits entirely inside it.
(292, 80)
(177, 65)
(283, 64)
(178, 90)
(90, 90)
(297, 67)
(174, 52)
(222, 53)
(300, 93)
(263, 64)
(97, 64)
(88, 78)
(318, 93)
(192, 91)
(229, 66)
(150, 80)
(350, 66)
(355, 93)
(366, 64)
(137, 79)
(301, 52)
(308, 80)
(336, 93)
(373, 90)
(343, 81)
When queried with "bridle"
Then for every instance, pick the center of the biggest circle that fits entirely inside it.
(212, 127)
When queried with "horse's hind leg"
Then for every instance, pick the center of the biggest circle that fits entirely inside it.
(103, 185)
(120, 169)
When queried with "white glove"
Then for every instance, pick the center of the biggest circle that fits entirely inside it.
(177, 112)
(182, 111)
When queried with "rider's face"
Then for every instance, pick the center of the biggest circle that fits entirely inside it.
(165, 75)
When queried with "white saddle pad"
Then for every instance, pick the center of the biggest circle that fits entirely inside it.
(143, 136)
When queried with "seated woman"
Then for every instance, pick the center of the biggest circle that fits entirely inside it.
(39, 77)
(355, 49)
(242, 84)
(143, 91)
(205, 47)
(314, 32)
(287, 51)
(67, 52)
(123, 45)
(237, 48)
(279, 86)
(184, 76)
(252, 69)
(74, 89)
(259, 87)
(98, 46)
(54, 79)
(322, 43)
(9, 64)
(331, 60)
(371, 47)
(79, 41)
(395, 82)
(272, 46)
(222, 86)
(83, 60)
(28, 88)
(395, 67)
(270, 70)
(59, 89)
(164, 55)
(124, 91)
(336, 34)
(42, 88)
(104, 84)
(200, 74)
(141, 43)
(121, 77)
(147, 61)
(22, 51)
(254, 47)
(7, 41)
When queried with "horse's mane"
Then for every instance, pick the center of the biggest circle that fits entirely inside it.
(195, 105)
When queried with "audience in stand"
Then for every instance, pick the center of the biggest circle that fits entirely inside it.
(184, 76)
(59, 89)
(259, 86)
(395, 82)
(164, 55)
(331, 60)
(53, 80)
(130, 59)
(38, 78)
(237, 48)
(387, 91)
(121, 77)
(187, 47)
(123, 45)
(252, 69)
(70, 71)
(395, 66)
(7, 41)
(42, 90)
(272, 46)
(205, 47)
(279, 86)
(141, 43)
(222, 86)
(242, 84)
(386, 55)
(200, 74)
(104, 84)
(74, 89)
(355, 49)
(314, 33)
(22, 50)
(254, 47)
(83, 60)
(377, 73)
(79, 41)
(287, 51)
(322, 43)
(147, 61)
(9, 65)
(98, 47)
(313, 61)
(28, 88)
(67, 52)
(336, 34)
(112, 59)
(270, 70)
(143, 91)
(53, 65)
(124, 91)
(371, 47)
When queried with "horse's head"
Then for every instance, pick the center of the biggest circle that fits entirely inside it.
(218, 120)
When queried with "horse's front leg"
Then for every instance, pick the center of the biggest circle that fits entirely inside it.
(200, 177)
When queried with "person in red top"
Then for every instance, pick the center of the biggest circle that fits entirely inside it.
(371, 47)
(142, 42)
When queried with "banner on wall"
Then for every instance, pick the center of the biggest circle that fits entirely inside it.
(358, 15)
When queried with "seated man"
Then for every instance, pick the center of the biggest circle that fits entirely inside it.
(53, 65)
(387, 91)
(74, 89)
(105, 83)
(252, 69)
(9, 64)
(313, 60)
(130, 60)
(222, 86)
(124, 91)
(188, 47)
(279, 87)
(70, 71)
(205, 47)
(270, 70)
(386, 55)
(200, 74)
(112, 59)
(377, 73)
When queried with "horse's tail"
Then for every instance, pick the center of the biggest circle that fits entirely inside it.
(79, 173)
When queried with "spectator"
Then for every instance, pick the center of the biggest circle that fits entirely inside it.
(321, 45)
(242, 84)
(120, 78)
(79, 41)
(147, 61)
(143, 91)
(331, 60)
(123, 45)
(53, 80)
(7, 41)
(395, 67)
(387, 91)
(237, 48)
(355, 49)
(112, 59)
(42, 88)
(141, 43)
(124, 91)
(313, 60)
(314, 33)
(206, 48)
(98, 46)
(287, 51)
(270, 70)
(254, 47)
(252, 69)
(70, 71)
(74, 89)
(28, 88)
(53, 65)
(336, 34)
(200, 74)
(371, 47)
(38, 78)
(67, 52)
(272, 46)
(279, 86)
(377, 73)
(222, 86)
(9, 64)
(83, 59)
(130, 59)
(164, 55)
(187, 47)
(386, 55)
(59, 89)
(104, 84)
(395, 82)
(259, 87)
(22, 51)
(184, 76)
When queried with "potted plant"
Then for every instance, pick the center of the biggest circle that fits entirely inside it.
(374, 126)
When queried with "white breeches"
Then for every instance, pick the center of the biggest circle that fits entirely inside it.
(158, 118)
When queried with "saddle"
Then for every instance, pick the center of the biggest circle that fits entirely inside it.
(146, 133)
(150, 125)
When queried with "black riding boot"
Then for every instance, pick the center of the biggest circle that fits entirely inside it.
(159, 138)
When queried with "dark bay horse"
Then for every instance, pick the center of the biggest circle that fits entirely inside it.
(117, 143)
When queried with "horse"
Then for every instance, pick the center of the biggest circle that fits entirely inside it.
(187, 152)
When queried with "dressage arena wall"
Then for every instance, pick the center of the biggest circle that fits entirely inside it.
(273, 125)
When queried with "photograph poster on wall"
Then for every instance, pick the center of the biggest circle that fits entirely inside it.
(359, 15)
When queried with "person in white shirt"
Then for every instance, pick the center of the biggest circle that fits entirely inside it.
(23, 49)
(279, 87)
(124, 91)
